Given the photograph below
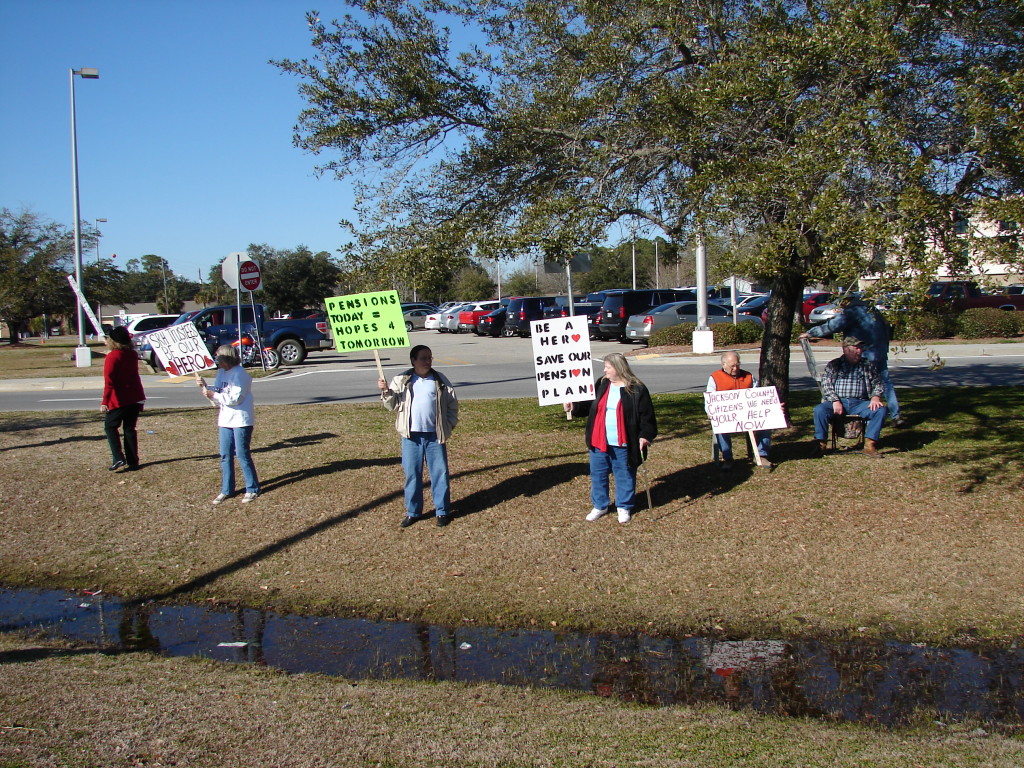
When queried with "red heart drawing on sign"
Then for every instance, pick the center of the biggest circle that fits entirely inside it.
(575, 337)
(209, 362)
(575, 371)
(172, 369)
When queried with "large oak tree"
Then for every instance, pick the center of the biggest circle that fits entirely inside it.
(841, 137)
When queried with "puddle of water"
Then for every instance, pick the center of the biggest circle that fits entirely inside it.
(878, 682)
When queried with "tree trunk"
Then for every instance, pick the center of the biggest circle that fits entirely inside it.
(774, 367)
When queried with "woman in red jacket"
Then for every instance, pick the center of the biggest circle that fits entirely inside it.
(122, 401)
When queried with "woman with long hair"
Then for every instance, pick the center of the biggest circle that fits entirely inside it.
(620, 426)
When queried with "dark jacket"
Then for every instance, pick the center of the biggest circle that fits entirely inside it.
(637, 411)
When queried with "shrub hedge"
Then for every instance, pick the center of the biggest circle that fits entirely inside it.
(983, 322)
(726, 334)
(917, 326)
(674, 335)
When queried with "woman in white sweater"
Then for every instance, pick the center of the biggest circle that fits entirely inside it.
(231, 392)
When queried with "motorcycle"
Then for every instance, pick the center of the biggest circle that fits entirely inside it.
(251, 354)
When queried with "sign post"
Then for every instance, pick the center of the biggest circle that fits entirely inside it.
(239, 271)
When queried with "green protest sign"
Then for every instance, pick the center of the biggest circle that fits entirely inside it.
(367, 321)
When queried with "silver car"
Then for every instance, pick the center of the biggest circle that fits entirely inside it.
(416, 318)
(450, 318)
(640, 327)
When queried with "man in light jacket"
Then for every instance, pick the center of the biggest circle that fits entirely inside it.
(428, 411)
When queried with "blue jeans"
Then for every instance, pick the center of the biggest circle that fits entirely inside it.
(874, 419)
(615, 463)
(234, 441)
(724, 440)
(416, 448)
(891, 402)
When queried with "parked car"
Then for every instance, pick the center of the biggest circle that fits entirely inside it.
(523, 310)
(640, 327)
(470, 315)
(415, 318)
(301, 314)
(149, 323)
(825, 312)
(450, 318)
(618, 306)
(964, 294)
(407, 305)
(432, 321)
(581, 307)
(753, 306)
(812, 300)
(493, 323)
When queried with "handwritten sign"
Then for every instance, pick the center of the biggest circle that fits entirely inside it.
(561, 360)
(744, 410)
(367, 321)
(181, 349)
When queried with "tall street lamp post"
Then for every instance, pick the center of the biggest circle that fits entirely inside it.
(83, 356)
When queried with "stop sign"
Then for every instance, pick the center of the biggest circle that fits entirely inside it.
(249, 275)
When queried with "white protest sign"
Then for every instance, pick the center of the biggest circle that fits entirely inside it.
(561, 360)
(181, 349)
(85, 305)
(744, 410)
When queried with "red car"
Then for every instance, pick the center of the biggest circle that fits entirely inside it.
(813, 300)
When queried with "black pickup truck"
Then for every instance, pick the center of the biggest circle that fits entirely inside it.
(293, 337)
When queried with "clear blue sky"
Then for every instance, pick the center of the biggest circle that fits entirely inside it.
(185, 141)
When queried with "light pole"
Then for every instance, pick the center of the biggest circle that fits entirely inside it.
(96, 226)
(83, 357)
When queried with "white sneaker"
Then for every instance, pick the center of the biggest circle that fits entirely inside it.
(248, 497)
(623, 515)
(219, 499)
(595, 513)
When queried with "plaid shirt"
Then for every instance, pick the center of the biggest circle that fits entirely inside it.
(843, 380)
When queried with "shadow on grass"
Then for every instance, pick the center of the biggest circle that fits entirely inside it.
(296, 442)
(271, 549)
(533, 483)
(62, 419)
(324, 469)
(58, 441)
(281, 544)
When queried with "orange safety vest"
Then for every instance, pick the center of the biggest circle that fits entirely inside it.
(723, 381)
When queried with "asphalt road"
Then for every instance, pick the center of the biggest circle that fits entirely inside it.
(484, 368)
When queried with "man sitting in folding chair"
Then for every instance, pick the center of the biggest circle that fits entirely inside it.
(731, 376)
(851, 385)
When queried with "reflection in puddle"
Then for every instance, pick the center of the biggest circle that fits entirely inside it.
(860, 681)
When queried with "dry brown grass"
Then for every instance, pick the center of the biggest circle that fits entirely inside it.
(63, 706)
(925, 543)
(56, 357)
